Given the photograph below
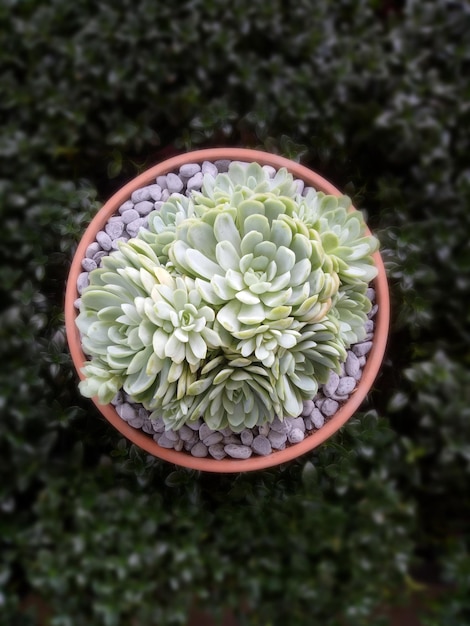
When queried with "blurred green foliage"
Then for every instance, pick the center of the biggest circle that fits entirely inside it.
(374, 95)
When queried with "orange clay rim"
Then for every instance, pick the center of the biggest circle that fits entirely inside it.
(183, 458)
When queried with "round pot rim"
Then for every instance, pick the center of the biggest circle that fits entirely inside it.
(183, 458)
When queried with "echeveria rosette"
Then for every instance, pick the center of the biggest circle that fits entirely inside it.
(234, 304)
(230, 391)
(148, 327)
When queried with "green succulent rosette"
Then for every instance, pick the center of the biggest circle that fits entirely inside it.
(233, 306)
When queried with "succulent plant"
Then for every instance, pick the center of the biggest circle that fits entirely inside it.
(234, 304)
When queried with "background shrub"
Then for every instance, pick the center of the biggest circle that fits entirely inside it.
(371, 93)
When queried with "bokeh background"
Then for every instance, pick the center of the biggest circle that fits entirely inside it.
(375, 96)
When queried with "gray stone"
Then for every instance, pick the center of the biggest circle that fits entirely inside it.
(118, 399)
(232, 439)
(126, 411)
(147, 427)
(238, 451)
(331, 385)
(172, 435)
(298, 422)
(88, 264)
(194, 425)
(129, 216)
(137, 422)
(158, 424)
(199, 450)
(296, 435)
(158, 205)
(165, 195)
(263, 429)
(346, 385)
(195, 182)
(155, 192)
(222, 165)
(209, 168)
(174, 183)
(188, 170)
(98, 256)
(278, 425)
(139, 195)
(369, 326)
(125, 207)
(361, 349)
(114, 229)
(104, 240)
(308, 407)
(164, 441)
(179, 445)
(329, 407)
(92, 249)
(77, 303)
(288, 423)
(217, 451)
(82, 282)
(246, 437)
(185, 433)
(278, 440)
(370, 293)
(317, 418)
(261, 445)
(362, 361)
(161, 182)
(352, 364)
(373, 311)
(134, 227)
(144, 208)
(205, 431)
(270, 170)
(119, 240)
(212, 439)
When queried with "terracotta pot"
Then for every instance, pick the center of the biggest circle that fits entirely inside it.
(183, 458)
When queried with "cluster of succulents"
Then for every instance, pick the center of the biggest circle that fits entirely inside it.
(233, 305)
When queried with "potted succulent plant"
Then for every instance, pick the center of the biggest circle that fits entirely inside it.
(227, 310)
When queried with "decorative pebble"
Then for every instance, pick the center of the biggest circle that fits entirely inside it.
(298, 422)
(263, 429)
(361, 349)
(199, 450)
(77, 303)
(370, 293)
(296, 435)
(270, 170)
(217, 451)
(308, 407)
(158, 205)
(92, 249)
(278, 425)
(89, 265)
(185, 433)
(261, 445)
(172, 435)
(144, 208)
(205, 431)
(352, 364)
(232, 439)
(82, 282)
(373, 311)
(98, 256)
(317, 418)
(189, 169)
(161, 182)
(211, 440)
(331, 385)
(209, 168)
(278, 440)
(369, 326)
(137, 422)
(362, 361)
(139, 195)
(165, 195)
(195, 182)
(196, 425)
(329, 407)
(114, 229)
(158, 425)
(164, 441)
(174, 183)
(155, 192)
(222, 165)
(119, 240)
(126, 412)
(129, 216)
(346, 385)
(134, 227)
(237, 451)
(104, 240)
(246, 437)
(126, 206)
